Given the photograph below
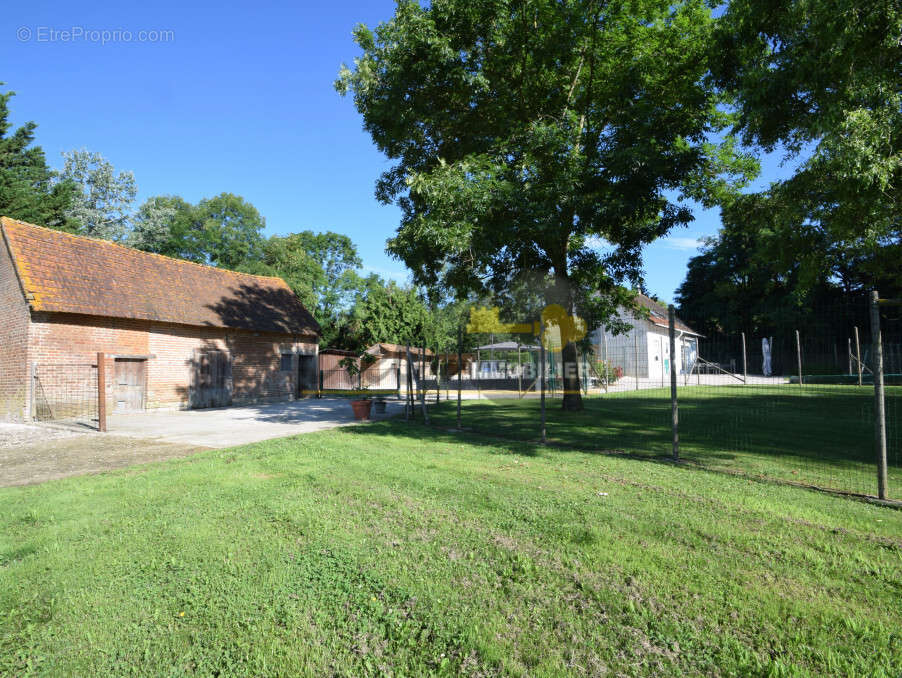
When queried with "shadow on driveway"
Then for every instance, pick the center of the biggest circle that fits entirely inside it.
(228, 426)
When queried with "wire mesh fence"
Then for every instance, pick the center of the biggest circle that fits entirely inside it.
(788, 404)
(65, 392)
(371, 380)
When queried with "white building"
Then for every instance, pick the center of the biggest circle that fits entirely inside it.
(644, 351)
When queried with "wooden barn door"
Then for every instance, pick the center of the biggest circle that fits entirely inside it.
(211, 379)
(131, 384)
(306, 375)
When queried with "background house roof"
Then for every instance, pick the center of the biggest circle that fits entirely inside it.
(381, 348)
(657, 314)
(508, 346)
(64, 273)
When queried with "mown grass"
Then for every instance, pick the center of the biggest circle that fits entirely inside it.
(395, 549)
(820, 435)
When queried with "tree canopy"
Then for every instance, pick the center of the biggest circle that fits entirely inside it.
(28, 190)
(321, 268)
(102, 202)
(824, 79)
(524, 135)
(821, 81)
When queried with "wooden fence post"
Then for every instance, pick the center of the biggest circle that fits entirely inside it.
(879, 398)
(858, 354)
(460, 369)
(32, 413)
(407, 406)
(636, 352)
(674, 407)
(745, 368)
(519, 373)
(101, 392)
(604, 356)
(423, 384)
(850, 355)
(542, 374)
(799, 356)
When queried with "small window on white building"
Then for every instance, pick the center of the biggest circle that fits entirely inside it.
(285, 365)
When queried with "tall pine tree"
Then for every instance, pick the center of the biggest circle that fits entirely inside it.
(27, 190)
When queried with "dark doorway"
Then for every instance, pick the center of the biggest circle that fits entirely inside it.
(130, 384)
(211, 379)
(306, 375)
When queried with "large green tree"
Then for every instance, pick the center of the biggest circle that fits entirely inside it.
(526, 133)
(228, 229)
(389, 312)
(822, 79)
(27, 187)
(321, 268)
(103, 198)
(161, 225)
(225, 230)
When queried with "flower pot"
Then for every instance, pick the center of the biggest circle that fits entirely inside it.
(361, 408)
(380, 407)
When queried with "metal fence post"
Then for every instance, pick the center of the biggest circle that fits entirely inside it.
(101, 392)
(674, 407)
(879, 399)
(799, 356)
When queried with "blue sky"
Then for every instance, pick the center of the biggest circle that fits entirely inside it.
(240, 99)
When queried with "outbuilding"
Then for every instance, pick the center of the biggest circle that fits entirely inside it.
(643, 351)
(174, 334)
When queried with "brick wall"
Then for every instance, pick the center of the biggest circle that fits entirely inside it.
(256, 357)
(13, 342)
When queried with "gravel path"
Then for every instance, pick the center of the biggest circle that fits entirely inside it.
(18, 435)
(35, 454)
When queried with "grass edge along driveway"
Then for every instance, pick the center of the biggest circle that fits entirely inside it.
(392, 549)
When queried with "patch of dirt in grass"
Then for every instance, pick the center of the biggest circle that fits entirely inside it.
(44, 455)
(17, 435)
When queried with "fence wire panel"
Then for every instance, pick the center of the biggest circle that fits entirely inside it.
(891, 328)
(786, 400)
(792, 405)
(373, 380)
(626, 408)
(65, 393)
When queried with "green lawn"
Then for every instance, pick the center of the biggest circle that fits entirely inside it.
(819, 435)
(393, 549)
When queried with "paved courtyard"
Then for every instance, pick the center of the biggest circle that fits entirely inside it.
(36, 453)
(224, 427)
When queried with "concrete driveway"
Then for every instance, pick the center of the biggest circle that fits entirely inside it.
(227, 426)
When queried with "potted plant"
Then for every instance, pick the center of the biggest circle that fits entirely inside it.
(362, 404)
(379, 405)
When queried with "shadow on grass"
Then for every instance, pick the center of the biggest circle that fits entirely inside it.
(820, 438)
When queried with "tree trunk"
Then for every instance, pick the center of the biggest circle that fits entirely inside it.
(563, 295)
(573, 398)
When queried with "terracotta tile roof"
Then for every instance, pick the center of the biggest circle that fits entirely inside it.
(657, 314)
(64, 273)
(377, 349)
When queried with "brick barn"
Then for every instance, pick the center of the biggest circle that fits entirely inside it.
(175, 334)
